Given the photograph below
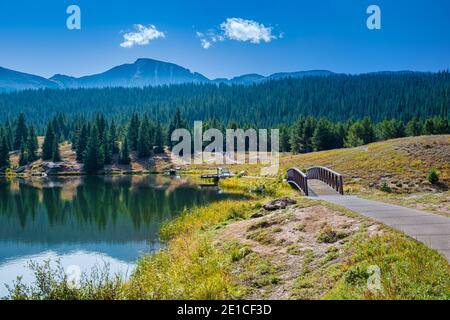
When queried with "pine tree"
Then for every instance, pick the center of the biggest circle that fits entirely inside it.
(56, 129)
(4, 152)
(107, 148)
(360, 133)
(159, 138)
(133, 132)
(20, 137)
(23, 157)
(368, 130)
(101, 126)
(49, 143)
(93, 157)
(56, 157)
(177, 123)
(340, 132)
(428, 127)
(125, 158)
(414, 127)
(355, 135)
(296, 134)
(285, 145)
(74, 137)
(113, 138)
(306, 135)
(390, 129)
(323, 136)
(440, 125)
(32, 145)
(9, 135)
(82, 143)
(145, 141)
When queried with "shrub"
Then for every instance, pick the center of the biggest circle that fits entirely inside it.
(328, 235)
(385, 187)
(433, 176)
(239, 253)
(293, 250)
(53, 283)
(263, 189)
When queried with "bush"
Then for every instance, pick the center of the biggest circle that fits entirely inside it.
(265, 189)
(53, 283)
(385, 187)
(433, 176)
(328, 235)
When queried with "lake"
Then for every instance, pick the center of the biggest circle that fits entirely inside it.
(89, 221)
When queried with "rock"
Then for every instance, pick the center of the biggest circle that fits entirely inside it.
(242, 173)
(256, 215)
(20, 169)
(51, 165)
(56, 167)
(277, 204)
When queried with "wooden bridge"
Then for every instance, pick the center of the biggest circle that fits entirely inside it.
(316, 181)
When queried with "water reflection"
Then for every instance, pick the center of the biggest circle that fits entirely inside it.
(113, 218)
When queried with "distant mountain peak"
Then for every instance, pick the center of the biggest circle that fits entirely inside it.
(11, 80)
(142, 72)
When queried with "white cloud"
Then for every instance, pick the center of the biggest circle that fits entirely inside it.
(238, 29)
(246, 30)
(142, 36)
(205, 43)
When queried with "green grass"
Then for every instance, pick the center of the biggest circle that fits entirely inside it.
(408, 270)
(192, 267)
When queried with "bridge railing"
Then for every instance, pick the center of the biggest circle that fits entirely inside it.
(299, 179)
(330, 177)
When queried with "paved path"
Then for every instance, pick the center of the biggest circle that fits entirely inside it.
(429, 228)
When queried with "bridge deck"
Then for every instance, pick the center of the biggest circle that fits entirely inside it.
(318, 188)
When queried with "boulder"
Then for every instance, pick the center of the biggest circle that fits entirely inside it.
(278, 204)
(56, 167)
(20, 169)
(242, 173)
(52, 167)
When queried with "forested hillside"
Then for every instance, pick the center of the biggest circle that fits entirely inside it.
(338, 97)
(98, 142)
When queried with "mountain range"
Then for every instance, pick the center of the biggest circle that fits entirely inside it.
(143, 72)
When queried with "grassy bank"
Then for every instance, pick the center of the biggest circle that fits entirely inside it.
(237, 250)
(191, 267)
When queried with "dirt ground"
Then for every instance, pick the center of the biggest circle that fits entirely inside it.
(294, 241)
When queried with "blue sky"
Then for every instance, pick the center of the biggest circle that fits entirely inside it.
(294, 35)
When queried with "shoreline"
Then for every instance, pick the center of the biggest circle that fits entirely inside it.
(82, 174)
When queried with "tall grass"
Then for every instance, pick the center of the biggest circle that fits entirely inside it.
(191, 267)
(53, 283)
(409, 270)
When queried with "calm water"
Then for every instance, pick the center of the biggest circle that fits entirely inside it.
(88, 221)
